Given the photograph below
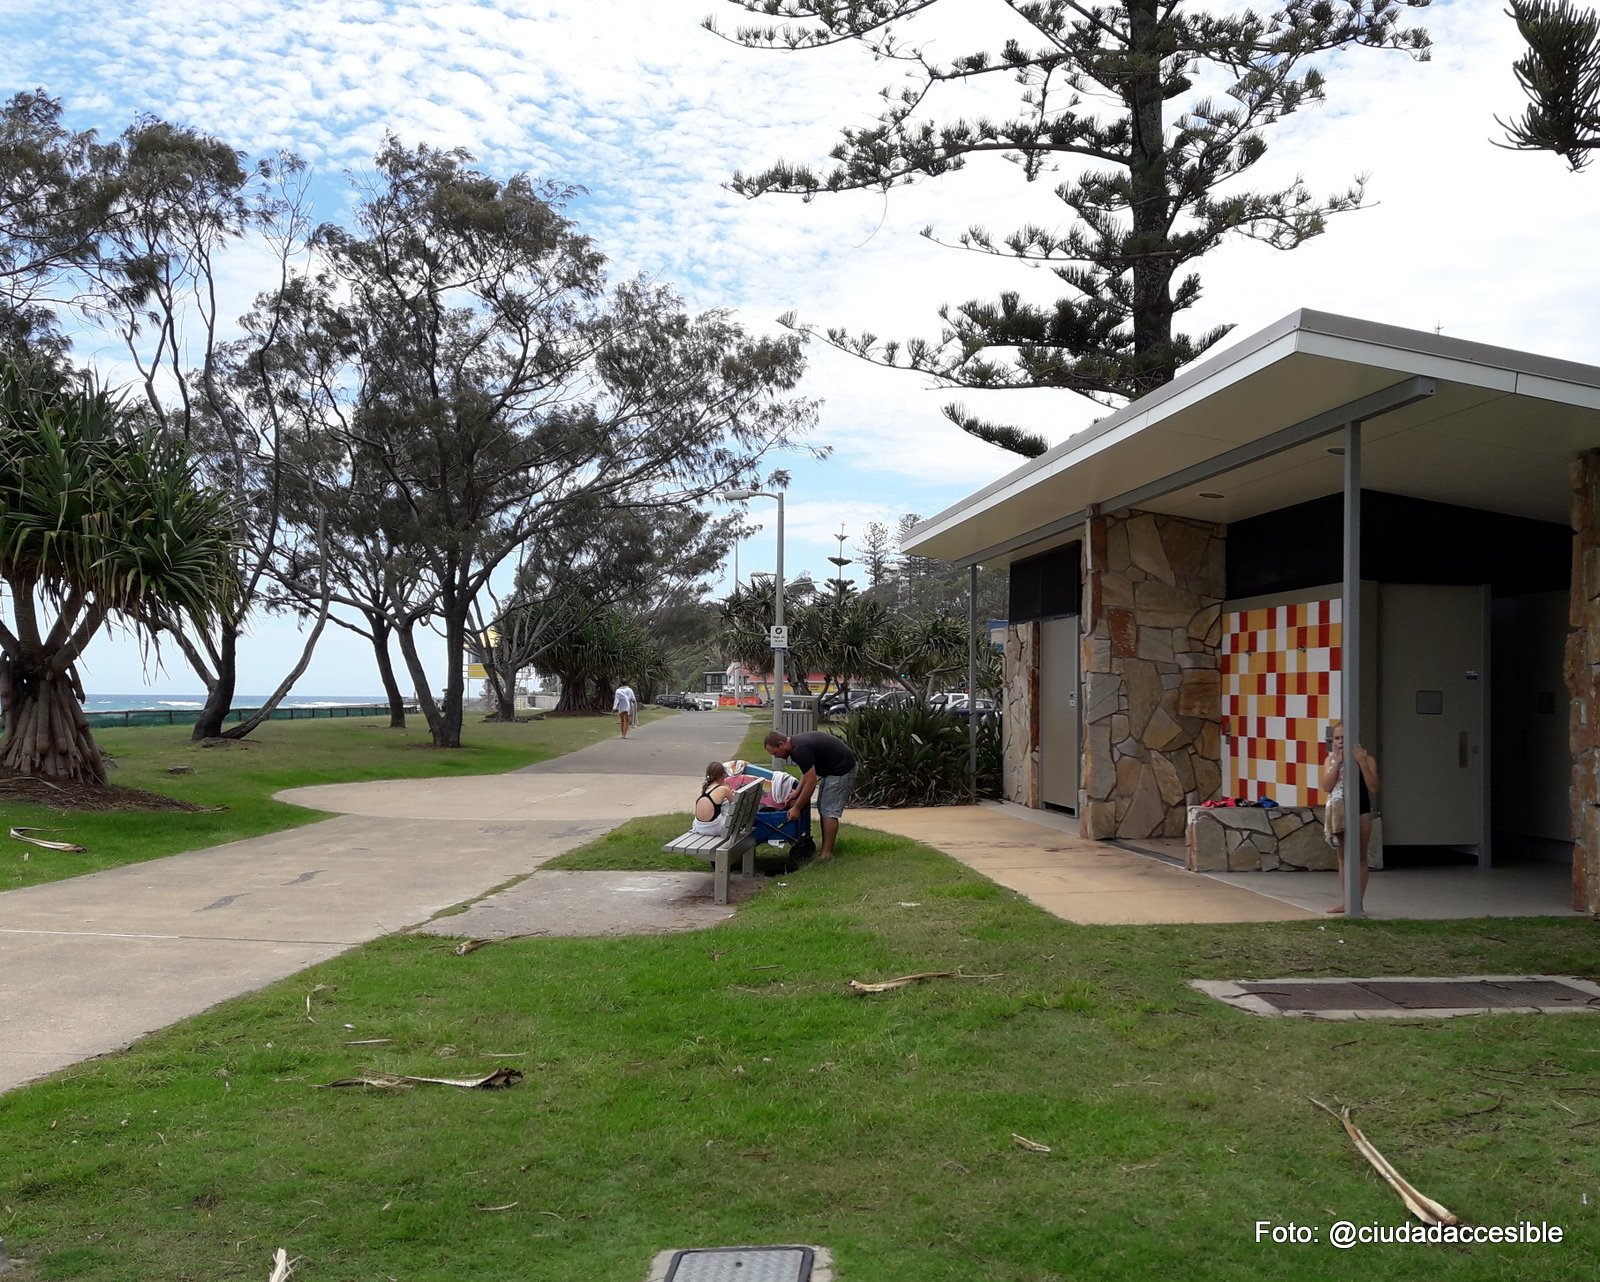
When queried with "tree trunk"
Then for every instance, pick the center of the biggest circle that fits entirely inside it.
(406, 636)
(1151, 238)
(447, 734)
(219, 701)
(391, 687)
(47, 734)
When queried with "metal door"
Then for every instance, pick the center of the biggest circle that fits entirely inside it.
(1058, 712)
(1432, 673)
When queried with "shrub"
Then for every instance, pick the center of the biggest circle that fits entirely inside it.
(909, 755)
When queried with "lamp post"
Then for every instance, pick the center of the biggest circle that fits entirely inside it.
(737, 495)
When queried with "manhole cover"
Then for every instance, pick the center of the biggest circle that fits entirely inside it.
(742, 1264)
(1398, 998)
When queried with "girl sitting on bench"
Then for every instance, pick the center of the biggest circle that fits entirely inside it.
(709, 819)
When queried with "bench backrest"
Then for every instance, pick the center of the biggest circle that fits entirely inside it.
(742, 818)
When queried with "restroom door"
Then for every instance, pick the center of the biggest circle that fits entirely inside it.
(1058, 712)
(1432, 674)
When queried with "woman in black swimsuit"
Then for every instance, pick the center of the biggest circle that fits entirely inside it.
(714, 794)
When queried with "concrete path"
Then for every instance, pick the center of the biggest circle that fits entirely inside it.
(1080, 880)
(93, 963)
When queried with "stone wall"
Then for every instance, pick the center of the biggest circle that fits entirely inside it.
(1152, 688)
(1270, 839)
(1020, 724)
(1583, 682)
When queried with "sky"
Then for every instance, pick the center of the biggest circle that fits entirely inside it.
(652, 114)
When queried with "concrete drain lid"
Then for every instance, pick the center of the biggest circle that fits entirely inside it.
(1406, 997)
(743, 1264)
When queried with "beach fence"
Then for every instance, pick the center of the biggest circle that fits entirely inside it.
(185, 716)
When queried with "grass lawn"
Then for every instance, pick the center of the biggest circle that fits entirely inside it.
(722, 1087)
(243, 776)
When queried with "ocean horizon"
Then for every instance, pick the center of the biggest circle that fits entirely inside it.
(149, 702)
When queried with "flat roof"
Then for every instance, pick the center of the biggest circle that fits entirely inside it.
(1498, 432)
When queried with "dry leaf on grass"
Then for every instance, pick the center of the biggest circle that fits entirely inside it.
(70, 847)
(373, 1041)
(496, 1080)
(320, 988)
(282, 1266)
(1033, 1146)
(506, 1207)
(1418, 1203)
(857, 986)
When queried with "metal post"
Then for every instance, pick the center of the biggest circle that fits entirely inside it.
(972, 681)
(778, 656)
(1350, 694)
(738, 672)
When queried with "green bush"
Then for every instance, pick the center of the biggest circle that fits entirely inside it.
(915, 756)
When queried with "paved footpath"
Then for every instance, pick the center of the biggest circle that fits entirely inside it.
(91, 964)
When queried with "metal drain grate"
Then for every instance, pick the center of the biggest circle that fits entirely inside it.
(742, 1264)
(1391, 998)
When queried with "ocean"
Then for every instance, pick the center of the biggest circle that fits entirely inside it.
(194, 702)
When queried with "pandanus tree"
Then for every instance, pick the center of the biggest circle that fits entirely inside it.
(100, 520)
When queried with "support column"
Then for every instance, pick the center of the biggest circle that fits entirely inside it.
(1583, 681)
(1152, 687)
(1350, 682)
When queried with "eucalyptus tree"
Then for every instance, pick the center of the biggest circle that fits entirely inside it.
(1154, 109)
(649, 559)
(100, 520)
(131, 235)
(493, 386)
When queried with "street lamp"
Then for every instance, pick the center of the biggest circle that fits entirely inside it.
(738, 494)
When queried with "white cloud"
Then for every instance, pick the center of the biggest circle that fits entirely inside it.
(631, 99)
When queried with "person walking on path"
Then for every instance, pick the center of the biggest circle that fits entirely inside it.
(1333, 781)
(624, 703)
(830, 769)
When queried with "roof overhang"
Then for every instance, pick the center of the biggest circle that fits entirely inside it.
(1250, 430)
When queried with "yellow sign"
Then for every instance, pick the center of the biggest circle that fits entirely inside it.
(476, 672)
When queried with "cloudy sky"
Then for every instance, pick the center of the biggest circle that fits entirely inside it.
(633, 100)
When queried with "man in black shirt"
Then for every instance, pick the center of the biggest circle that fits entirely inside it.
(830, 769)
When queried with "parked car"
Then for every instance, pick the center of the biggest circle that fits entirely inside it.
(670, 700)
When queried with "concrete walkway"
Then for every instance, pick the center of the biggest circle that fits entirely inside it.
(1083, 881)
(93, 963)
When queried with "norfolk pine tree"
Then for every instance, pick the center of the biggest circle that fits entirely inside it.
(1114, 97)
(1560, 73)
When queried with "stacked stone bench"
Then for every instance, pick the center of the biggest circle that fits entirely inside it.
(1264, 839)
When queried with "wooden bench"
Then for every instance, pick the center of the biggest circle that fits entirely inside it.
(738, 839)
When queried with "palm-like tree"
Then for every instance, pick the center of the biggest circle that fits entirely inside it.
(97, 520)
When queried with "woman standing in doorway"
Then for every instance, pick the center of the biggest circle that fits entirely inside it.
(1333, 780)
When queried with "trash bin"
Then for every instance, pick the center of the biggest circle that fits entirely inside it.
(800, 713)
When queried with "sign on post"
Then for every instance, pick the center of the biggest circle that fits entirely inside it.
(778, 636)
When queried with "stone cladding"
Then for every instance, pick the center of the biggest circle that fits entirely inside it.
(1152, 687)
(1582, 665)
(1019, 778)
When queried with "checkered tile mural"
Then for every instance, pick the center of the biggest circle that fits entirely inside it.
(1280, 688)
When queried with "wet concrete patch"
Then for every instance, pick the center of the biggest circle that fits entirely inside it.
(596, 903)
(1407, 997)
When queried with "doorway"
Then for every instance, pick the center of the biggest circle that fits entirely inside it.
(1058, 713)
(1433, 716)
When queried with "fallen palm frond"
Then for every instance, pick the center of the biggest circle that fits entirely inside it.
(496, 1080)
(373, 1041)
(470, 946)
(1033, 1146)
(1418, 1203)
(857, 986)
(282, 1266)
(70, 847)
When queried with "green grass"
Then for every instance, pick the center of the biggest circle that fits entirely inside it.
(243, 777)
(723, 1087)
